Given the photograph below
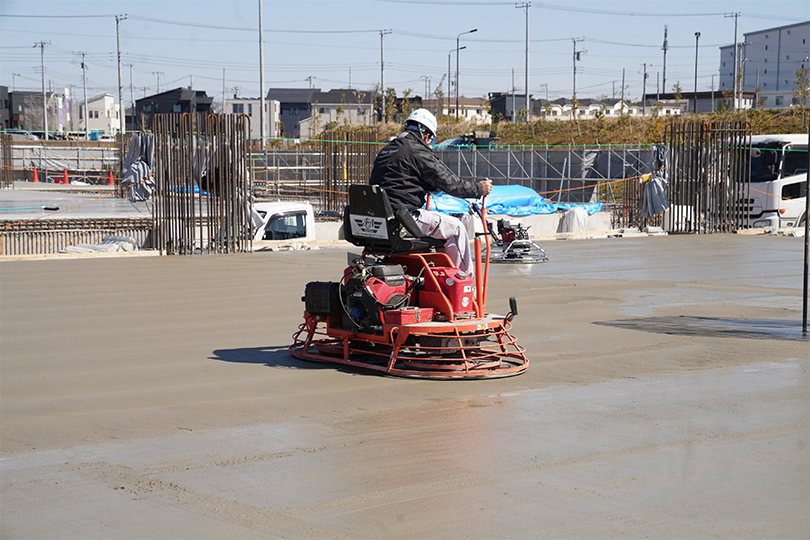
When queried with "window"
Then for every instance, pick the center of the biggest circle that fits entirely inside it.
(291, 111)
(286, 226)
(765, 60)
(238, 108)
(297, 111)
(323, 110)
(779, 101)
(795, 163)
(157, 107)
(250, 109)
(147, 108)
(766, 47)
(796, 190)
(766, 72)
(177, 108)
(724, 64)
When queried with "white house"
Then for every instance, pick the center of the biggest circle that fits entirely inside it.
(473, 109)
(251, 107)
(101, 114)
(587, 109)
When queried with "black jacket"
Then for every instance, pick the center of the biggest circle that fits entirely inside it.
(407, 169)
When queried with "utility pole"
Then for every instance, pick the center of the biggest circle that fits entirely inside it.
(191, 82)
(427, 85)
(382, 73)
(118, 19)
(132, 94)
(14, 81)
(713, 92)
(622, 91)
(223, 91)
(577, 56)
(644, 93)
(665, 47)
(736, 55)
(84, 82)
(514, 108)
(158, 73)
(756, 95)
(310, 79)
(657, 88)
(457, 51)
(697, 39)
(261, 75)
(42, 45)
(526, 6)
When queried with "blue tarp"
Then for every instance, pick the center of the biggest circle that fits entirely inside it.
(507, 200)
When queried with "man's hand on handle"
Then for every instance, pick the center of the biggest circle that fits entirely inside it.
(487, 185)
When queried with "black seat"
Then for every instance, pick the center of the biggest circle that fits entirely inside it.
(370, 221)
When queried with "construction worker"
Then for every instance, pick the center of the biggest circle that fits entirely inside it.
(407, 170)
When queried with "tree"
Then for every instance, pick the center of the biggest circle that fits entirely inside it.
(801, 94)
(677, 90)
(390, 104)
(406, 103)
(438, 94)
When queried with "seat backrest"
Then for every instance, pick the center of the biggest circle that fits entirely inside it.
(371, 222)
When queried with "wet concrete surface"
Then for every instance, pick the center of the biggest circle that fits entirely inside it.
(667, 396)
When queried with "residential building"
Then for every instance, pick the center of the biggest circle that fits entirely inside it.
(507, 106)
(473, 109)
(768, 59)
(179, 100)
(25, 110)
(5, 108)
(306, 112)
(586, 109)
(251, 108)
(102, 115)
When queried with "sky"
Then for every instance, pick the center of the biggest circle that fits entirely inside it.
(337, 44)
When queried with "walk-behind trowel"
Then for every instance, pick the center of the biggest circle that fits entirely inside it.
(403, 308)
(512, 244)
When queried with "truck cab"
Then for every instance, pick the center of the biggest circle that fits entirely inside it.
(777, 191)
(282, 220)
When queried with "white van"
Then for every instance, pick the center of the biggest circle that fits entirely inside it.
(778, 190)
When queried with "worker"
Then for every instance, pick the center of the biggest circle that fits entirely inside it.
(407, 170)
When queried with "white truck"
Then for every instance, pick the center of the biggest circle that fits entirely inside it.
(284, 221)
(778, 190)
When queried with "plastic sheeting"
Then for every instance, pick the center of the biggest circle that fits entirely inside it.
(654, 199)
(138, 167)
(574, 220)
(507, 200)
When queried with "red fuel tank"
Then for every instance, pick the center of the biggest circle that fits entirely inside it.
(457, 286)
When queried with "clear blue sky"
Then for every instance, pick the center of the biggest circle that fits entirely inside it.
(328, 40)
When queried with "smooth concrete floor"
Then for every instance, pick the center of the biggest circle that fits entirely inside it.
(668, 396)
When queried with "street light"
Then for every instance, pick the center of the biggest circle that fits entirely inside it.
(697, 38)
(448, 76)
(458, 49)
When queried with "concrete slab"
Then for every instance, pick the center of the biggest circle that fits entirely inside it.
(667, 397)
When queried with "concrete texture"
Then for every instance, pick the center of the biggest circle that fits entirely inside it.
(153, 397)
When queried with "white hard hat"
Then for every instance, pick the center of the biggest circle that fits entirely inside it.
(425, 118)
